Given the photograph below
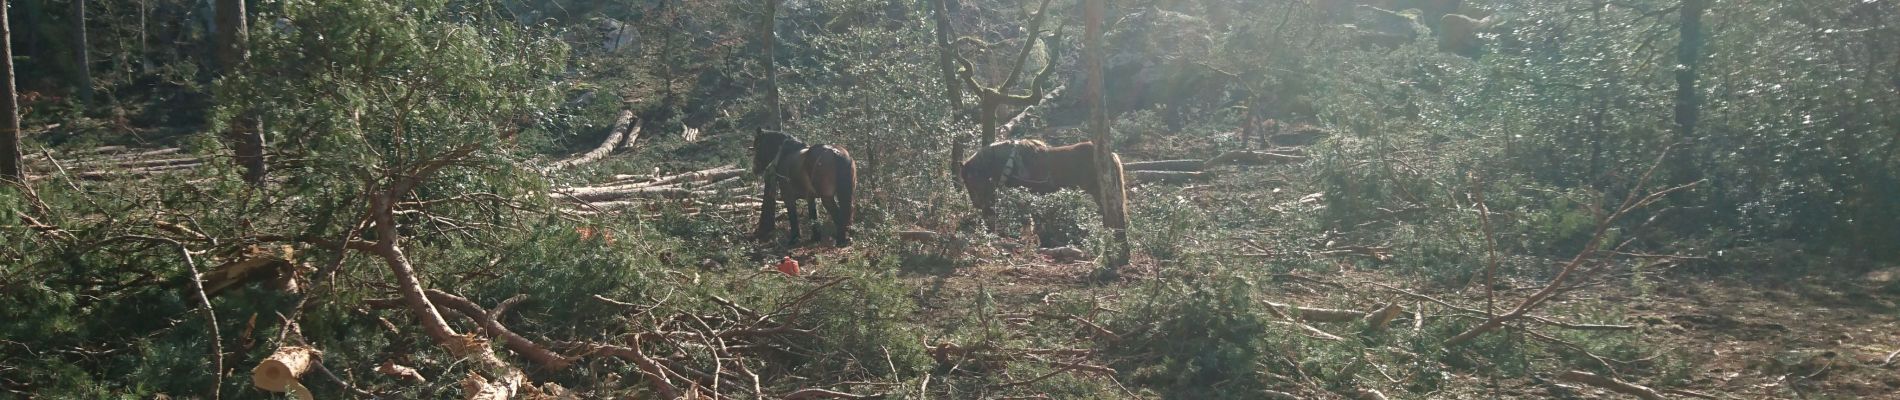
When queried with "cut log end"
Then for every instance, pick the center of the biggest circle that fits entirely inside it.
(280, 371)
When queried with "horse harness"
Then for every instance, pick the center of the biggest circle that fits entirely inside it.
(1011, 163)
(773, 171)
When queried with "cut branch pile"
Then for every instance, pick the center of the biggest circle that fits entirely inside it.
(726, 349)
(715, 190)
(111, 162)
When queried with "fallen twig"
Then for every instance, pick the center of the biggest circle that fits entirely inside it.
(1612, 384)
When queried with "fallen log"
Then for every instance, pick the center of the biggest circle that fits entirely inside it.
(133, 163)
(637, 181)
(240, 271)
(623, 131)
(1165, 165)
(137, 172)
(713, 174)
(1141, 177)
(1316, 314)
(638, 193)
(1251, 157)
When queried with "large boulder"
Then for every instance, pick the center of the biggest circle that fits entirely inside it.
(1458, 34)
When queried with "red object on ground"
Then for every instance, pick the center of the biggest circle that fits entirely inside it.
(788, 266)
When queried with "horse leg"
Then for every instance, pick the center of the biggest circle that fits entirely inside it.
(838, 220)
(811, 209)
(791, 217)
(767, 211)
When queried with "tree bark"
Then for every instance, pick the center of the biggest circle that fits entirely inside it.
(1688, 99)
(246, 136)
(82, 67)
(1107, 164)
(233, 32)
(12, 167)
(768, 31)
(952, 89)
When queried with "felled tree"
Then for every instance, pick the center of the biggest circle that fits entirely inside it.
(386, 103)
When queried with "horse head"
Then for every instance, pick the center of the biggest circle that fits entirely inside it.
(768, 147)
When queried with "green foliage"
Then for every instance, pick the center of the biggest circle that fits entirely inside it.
(1167, 226)
(357, 90)
(1064, 218)
(1204, 338)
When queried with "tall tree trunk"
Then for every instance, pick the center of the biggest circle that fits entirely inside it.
(1688, 101)
(986, 119)
(11, 166)
(82, 67)
(768, 35)
(1108, 166)
(952, 88)
(768, 29)
(247, 138)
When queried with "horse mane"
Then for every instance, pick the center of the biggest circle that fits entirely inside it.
(1027, 144)
(783, 138)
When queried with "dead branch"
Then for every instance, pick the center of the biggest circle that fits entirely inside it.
(211, 319)
(1680, 392)
(1611, 384)
(490, 325)
(623, 131)
(1165, 165)
(1630, 203)
(1381, 254)
(1534, 318)
(1024, 113)
(806, 394)
(656, 375)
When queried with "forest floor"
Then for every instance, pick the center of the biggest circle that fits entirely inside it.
(1740, 339)
(1691, 333)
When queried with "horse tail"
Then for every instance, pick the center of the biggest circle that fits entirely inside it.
(846, 184)
(1121, 192)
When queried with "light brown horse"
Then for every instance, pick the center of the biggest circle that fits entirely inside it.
(794, 171)
(1032, 165)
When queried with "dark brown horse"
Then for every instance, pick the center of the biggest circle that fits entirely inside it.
(1032, 165)
(793, 171)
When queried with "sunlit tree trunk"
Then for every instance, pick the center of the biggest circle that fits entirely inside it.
(952, 88)
(768, 36)
(246, 136)
(1688, 101)
(82, 67)
(1113, 197)
(768, 31)
(11, 166)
